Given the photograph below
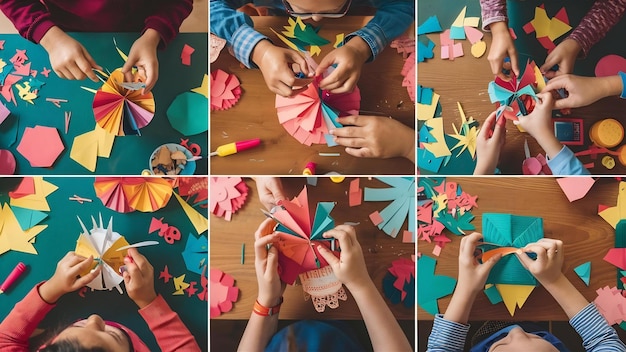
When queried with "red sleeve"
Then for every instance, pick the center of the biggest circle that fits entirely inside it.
(167, 18)
(170, 332)
(30, 17)
(602, 16)
(17, 327)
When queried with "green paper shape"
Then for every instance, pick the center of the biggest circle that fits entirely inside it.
(309, 35)
(431, 287)
(28, 218)
(322, 221)
(509, 230)
(186, 113)
(584, 272)
(493, 294)
(402, 194)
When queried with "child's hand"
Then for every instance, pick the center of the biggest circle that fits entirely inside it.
(583, 91)
(350, 267)
(491, 138)
(275, 64)
(547, 267)
(502, 46)
(563, 55)
(69, 59)
(271, 288)
(539, 125)
(143, 55)
(349, 59)
(270, 191)
(473, 275)
(66, 277)
(375, 137)
(139, 278)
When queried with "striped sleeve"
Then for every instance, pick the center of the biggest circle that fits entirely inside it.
(596, 333)
(447, 336)
(602, 16)
(493, 11)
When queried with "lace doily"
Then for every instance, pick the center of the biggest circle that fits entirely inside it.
(323, 287)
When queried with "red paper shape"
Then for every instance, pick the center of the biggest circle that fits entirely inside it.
(223, 292)
(7, 162)
(41, 146)
(185, 55)
(228, 194)
(165, 275)
(355, 194)
(403, 270)
(195, 189)
(25, 188)
(302, 116)
(617, 257)
(225, 90)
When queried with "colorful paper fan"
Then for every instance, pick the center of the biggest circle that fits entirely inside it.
(103, 245)
(126, 194)
(228, 194)
(299, 235)
(225, 90)
(309, 115)
(121, 111)
(223, 292)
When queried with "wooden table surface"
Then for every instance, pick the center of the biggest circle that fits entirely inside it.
(379, 249)
(465, 80)
(254, 116)
(586, 237)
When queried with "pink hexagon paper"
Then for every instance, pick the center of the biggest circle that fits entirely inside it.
(41, 146)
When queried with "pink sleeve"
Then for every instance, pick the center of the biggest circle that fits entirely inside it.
(493, 11)
(170, 332)
(604, 14)
(30, 17)
(167, 18)
(17, 327)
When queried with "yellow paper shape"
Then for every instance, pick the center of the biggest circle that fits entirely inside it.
(514, 295)
(460, 19)
(541, 83)
(148, 196)
(471, 22)
(199, 222)
(558, 28)
(440, 148)
(338, 40)
(2, 64)
(180, 285)
(315, 50)
(614, 214)
(119, 51)
(285, 40)
(85, 150)
(541, 23)
(36, 201)
(105, 141)
(468, 140)
(204, 88)
(12, 237)
(427, 112)
(478, 49)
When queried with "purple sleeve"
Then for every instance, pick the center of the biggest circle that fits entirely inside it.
(493, 11)
(604, 14)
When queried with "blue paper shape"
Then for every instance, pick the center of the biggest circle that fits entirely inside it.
(584, 272)
(196, 253)
(493, 294)
(431, 287)
(457, 33)
(431, 25)
(427, 161)
(425, 51)
(28, 218)
(402, 195)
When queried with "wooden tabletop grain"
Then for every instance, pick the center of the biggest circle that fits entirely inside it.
(379, 249)
(586, 237)
(254, 116)
(465, 80)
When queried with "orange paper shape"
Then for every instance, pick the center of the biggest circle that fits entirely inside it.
(225, 90)
(307, 119)
(126, 194)
(502, 250)
(121, 111)
(41, 146)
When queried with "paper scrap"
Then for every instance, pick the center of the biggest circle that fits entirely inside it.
(199, 222)
(431, 287)
(223, 292)
(40, 145)
(575, 188)
(584, 272)
(185, 55)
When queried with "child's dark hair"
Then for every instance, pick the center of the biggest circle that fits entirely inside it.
(69, 345)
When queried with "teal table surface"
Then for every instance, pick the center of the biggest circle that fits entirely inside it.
(130, 154)
(60, 237)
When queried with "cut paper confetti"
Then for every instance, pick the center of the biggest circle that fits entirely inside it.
(126, 194)
(584, 272)
(7, 162)
(186, 107)
(228, 194)
(399, 282)
(309, 115)
(611, 304)
(355, 193)
(402, 207)
(14, 237)
(223, 292)
(180, 285)
(88, 146)
(41, 146)
(169, 233)
(196, 253)
(323, 288)
(575, 188)
(32, 193)
(409, 73)
(185, 55)
(225, 90)
(199, 221)
(4, 113)
(431, 287)
(121, 111)
(299, 235)
(165, 275)
(217, 44)
(103, 244)
(546, 29)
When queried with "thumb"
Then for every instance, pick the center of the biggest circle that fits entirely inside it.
(298, 59)
(328, 256)
(550, 62)
(327, 61)
(524, 259)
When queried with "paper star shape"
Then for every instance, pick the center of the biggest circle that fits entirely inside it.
(165, 275)
(204, 87)
(191, 290)
(45, 72)
(466, 135)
